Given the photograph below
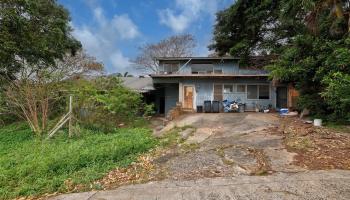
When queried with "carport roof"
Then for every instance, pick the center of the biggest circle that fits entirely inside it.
(139, 84)
(207, 75)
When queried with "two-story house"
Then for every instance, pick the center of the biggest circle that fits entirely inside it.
(193, 80)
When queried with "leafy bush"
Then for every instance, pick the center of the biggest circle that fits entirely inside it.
(104, 103)
(30, 166)
(337, 94)
(148, 110)
(320, 69)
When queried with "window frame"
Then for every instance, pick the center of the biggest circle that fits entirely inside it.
(268, 90)
(245, 88)
(232, 88)
(222, 91)
(258, 91)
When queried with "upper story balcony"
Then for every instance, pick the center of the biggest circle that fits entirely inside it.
(204, 66)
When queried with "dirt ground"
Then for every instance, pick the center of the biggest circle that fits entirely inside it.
(316, 148)
(241, 146)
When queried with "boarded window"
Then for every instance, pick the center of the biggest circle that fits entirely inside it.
(240, 88)
(264, 92)
(252, 91)
(228, 88)
(218, 92)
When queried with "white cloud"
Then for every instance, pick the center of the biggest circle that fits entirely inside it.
(186, 12)
(118, 60)
(99, 16)
(125, 27)
(101, 39)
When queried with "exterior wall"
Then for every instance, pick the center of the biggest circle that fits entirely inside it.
(171, 96)
(204, 87)
(204, 91)
(158, 94)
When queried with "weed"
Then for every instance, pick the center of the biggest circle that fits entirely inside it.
(186, 147)
(300, 143)
(220, 152)
(171, 138)
(31, 166)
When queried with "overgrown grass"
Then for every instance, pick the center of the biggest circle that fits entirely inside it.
(32, 166)
(339, 127)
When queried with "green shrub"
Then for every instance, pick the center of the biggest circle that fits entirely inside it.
(337, 95)
(30, 166)
(148, 110)
(104, 103)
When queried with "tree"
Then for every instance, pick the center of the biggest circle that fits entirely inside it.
(311, 38)
(76, 66)
(35, 32)
(250, 28)
(315, 57)
(174, 46)
(31, 95)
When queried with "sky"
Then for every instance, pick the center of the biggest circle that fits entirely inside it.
(112, 30)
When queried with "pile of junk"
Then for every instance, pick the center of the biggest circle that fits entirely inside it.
(217, 106)
(233, 106)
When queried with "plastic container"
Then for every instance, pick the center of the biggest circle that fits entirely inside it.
(199, 109)
(284, 111)
(317, 122)
(207, 106)
(215, 106)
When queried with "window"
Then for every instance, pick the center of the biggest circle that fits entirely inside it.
(202, 68)
(218, 93)
(252, 91)
(228, 88)
(217, 71)
(258, 92)
(240, 88)
(171, 67)
(264, 92)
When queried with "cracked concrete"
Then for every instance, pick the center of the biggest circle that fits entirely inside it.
(232, 149)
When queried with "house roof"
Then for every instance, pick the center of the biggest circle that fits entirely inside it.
(139, 84)
(207, 75)
(195, 58)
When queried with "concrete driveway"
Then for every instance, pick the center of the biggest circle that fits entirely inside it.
(231, 156)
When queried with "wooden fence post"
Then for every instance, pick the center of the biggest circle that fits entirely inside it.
(70, 115)
(66, 118)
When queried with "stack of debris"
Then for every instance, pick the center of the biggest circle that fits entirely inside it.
(174, 112)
